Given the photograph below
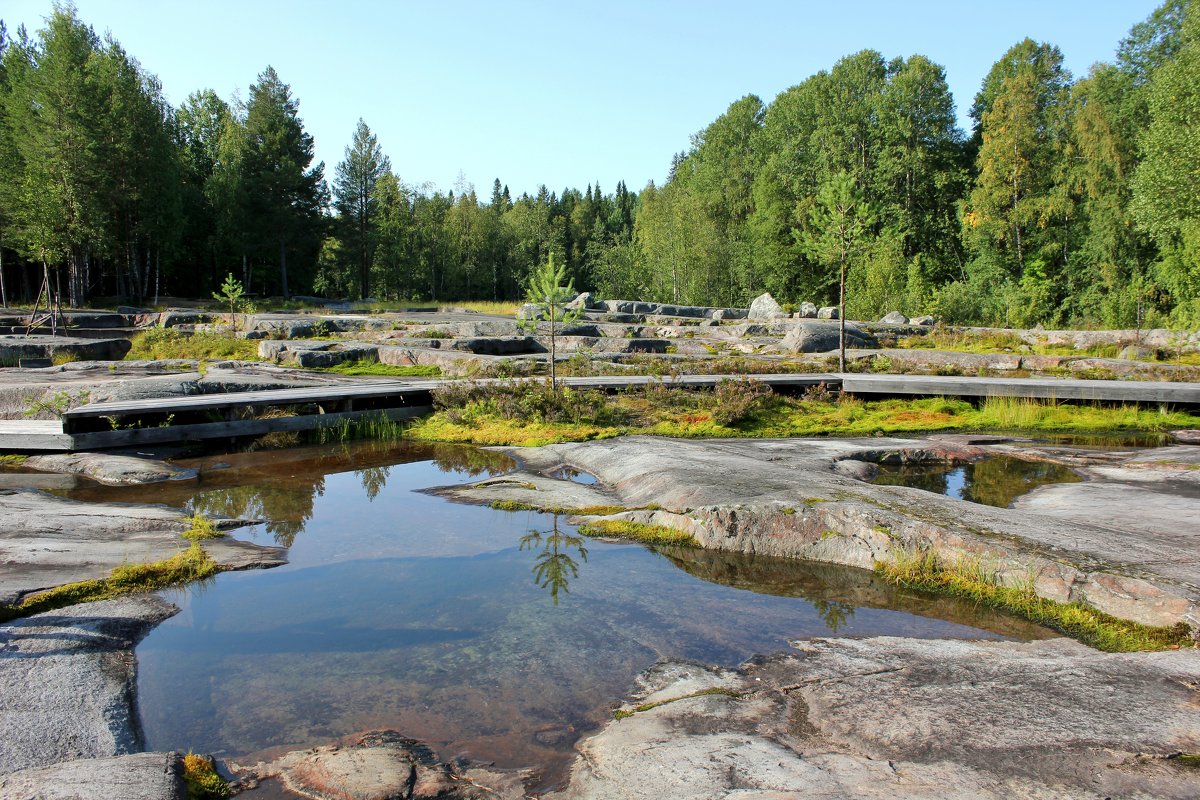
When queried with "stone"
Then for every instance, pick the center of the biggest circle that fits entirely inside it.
(821, 337)
(764, 307)
(582, 302)
(807, 310)
(141, 776)
(827, 312)
(15, 348)
(111, 470)
(1186, 437)
(923, 321)
(531, 311)
(67, 679)
(376, 765)
(894, 318)
(891, 718)
(1134, 353)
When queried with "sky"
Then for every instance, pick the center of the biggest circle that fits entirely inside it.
(560, 93)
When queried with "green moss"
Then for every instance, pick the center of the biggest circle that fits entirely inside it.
(168, 343)
(12, 460)
(831, 534)
(637, 531)
(788, 511)
(972, 580)
(201, 527)
(186, 566)
(203, 781)
(582, 511)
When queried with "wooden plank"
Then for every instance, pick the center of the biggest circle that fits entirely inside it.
(1033, 388)
(26, 435)
(221, 430)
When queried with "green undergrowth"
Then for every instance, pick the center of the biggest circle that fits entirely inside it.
(637, 532)
(583, 511)
(531, 414)
(374, 427)
(624, 713)
(200, 528)
(381, 370)
(188, 565)
(12, 460)
(202, 779)
(157, 344)
(972, 580)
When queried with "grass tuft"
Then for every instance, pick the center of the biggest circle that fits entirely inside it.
(637, 532)
(972, 579)
(624, 713)
(201, 527)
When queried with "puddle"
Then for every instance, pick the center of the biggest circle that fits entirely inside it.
(993, 481)
(493, 636)
(575, 475)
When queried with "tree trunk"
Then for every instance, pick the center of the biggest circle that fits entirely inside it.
(842, 318)
(283, 267)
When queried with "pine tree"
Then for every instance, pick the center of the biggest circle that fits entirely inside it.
(355, 190)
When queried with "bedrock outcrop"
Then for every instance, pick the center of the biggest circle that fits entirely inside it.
(805, 498)
(903, 718)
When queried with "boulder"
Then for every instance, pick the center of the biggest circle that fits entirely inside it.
(925, 320)
(815, 337)
(764, 307)
(531, 311)
(582, 301)
(827, 312)
(894, 318)
(807, 310)
(1135, 353)
(1186, 437)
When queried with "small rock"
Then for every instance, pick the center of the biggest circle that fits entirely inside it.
(1186, 437)
(894, 318)
(764, 307)
(807, 310)
(817, 337)
(582, 301)
(827, 312)
(1135, 353)
(531, 311)
(925, 320)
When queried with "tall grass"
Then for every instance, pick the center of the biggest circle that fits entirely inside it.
(973, 579)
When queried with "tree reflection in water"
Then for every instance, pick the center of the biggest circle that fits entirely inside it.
(373, 480)
(554, 568)
(833, 613)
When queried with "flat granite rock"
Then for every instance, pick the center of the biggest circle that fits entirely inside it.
(46, 541)
(67, 681)
(111, 470)
(893, 718)
(790, 498)
(141, 776)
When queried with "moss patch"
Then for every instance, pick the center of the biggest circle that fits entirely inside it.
(974, 581)
(186, 566)
(159, 344)
(379, 369)
(203, 781)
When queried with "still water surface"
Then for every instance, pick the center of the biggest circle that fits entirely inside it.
(494, 636)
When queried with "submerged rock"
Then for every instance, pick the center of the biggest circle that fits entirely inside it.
(112, 470)
(381, 764)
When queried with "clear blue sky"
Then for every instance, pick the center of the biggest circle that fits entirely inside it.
(560, 93)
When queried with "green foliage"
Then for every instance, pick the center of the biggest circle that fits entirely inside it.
(637, 532)
(379, 369)
(549, 291)
(976, 581)
(233, 297)
(57, 404)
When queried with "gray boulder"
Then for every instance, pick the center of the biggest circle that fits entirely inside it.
(764, 307)
(818, 337)
(582, 302)
(894, 318)
(827, 312)
(925, 320)
(531, 311)
(807, 310)
(1135, 353)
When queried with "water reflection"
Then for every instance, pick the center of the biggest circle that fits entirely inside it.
(554, 567)
(994, 481)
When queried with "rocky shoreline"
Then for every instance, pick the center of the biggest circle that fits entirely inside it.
(883, 717)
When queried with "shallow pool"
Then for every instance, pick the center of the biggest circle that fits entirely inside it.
(494, 636)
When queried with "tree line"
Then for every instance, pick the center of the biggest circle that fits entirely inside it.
(1070, 201)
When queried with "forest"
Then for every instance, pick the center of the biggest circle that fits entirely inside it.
(1071, 201)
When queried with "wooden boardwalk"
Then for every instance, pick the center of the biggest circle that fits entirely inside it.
(215, 416)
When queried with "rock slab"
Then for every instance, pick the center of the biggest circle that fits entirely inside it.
(895, 718)
(67, 682)
(142, 776)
